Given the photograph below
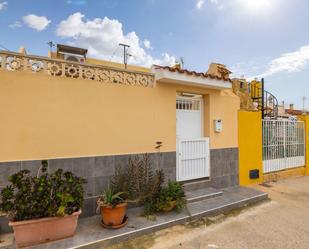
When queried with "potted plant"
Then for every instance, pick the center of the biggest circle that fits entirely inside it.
(170, 197)
(113, 207)
(44, 207)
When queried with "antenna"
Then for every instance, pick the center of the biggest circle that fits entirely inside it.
(125, 54)
(51, 45)
(182, 62)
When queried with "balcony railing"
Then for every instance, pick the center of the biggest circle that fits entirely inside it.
(60, 68)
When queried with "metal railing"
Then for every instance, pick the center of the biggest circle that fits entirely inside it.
(283, 145)
(12, 61)
(267, 103)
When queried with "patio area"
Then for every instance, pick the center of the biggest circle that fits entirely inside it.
(90, 233)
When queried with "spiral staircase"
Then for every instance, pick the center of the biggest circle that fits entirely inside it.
(264, 101)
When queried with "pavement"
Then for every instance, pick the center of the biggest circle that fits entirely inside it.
(280, 223)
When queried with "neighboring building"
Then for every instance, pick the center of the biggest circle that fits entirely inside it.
(294, 112)
(242, 89)
(290, 113)
(89, 116)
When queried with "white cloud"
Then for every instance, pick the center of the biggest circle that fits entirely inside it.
(102, 38)
(289, 62)
(3, 5)
(15, 25)
(38, 23)
(200, 3)
(147, 44)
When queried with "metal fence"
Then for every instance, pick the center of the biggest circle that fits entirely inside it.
(283, 145)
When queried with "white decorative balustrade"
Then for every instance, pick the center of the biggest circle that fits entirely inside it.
(60, 68)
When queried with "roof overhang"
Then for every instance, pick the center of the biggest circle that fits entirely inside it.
(166, 76)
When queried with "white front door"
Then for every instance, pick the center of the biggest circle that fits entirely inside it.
(192, 147)
(189, 118)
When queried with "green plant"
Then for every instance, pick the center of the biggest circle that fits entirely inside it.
(111, 198)
(45, 195)
(172, 194)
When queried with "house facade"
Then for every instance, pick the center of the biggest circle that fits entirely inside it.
(90, 116)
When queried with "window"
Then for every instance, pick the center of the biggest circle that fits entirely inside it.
(188, 104)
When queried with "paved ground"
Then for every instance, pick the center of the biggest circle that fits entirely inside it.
(280, 223)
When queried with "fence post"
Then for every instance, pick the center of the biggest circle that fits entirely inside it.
(305, 118)
(250, 146)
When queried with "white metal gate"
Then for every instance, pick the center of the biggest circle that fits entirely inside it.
(192, 147)
(283, 145)
(193, 159)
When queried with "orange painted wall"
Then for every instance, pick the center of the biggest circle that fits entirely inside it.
(51, 117)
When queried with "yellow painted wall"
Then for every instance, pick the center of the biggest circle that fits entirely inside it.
(250, 150)
(305, 118)
(54, 117)
(250, 145)
(284, 174)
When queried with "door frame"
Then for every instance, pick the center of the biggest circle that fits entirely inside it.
(201, 100)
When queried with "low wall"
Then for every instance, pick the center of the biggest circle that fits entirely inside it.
(99, 170)
(96, 170)
(284, 174)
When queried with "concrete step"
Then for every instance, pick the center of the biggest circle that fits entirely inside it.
(232, 198)
(196, 184)
(202, 194)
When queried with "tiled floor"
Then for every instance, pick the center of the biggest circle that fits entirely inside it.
(90, 234)
(202, 194)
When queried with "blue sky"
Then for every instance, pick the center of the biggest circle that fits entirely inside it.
(267, 38)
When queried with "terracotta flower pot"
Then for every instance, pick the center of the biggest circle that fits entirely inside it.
(113, 216)
(169, 206)
(32, 232)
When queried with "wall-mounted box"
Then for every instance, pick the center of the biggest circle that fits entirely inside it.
(254, 174)
(218, 125)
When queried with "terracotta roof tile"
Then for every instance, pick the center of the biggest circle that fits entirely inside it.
(185, 71)
(295, 112)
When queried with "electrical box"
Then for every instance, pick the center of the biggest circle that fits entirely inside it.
(254, 174)
(218, 125)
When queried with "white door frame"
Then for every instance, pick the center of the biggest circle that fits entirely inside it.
(192, 157)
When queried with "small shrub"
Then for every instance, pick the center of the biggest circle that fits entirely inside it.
(45, 195)
(172, 194)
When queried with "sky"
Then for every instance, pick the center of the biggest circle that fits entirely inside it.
(253, 38)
